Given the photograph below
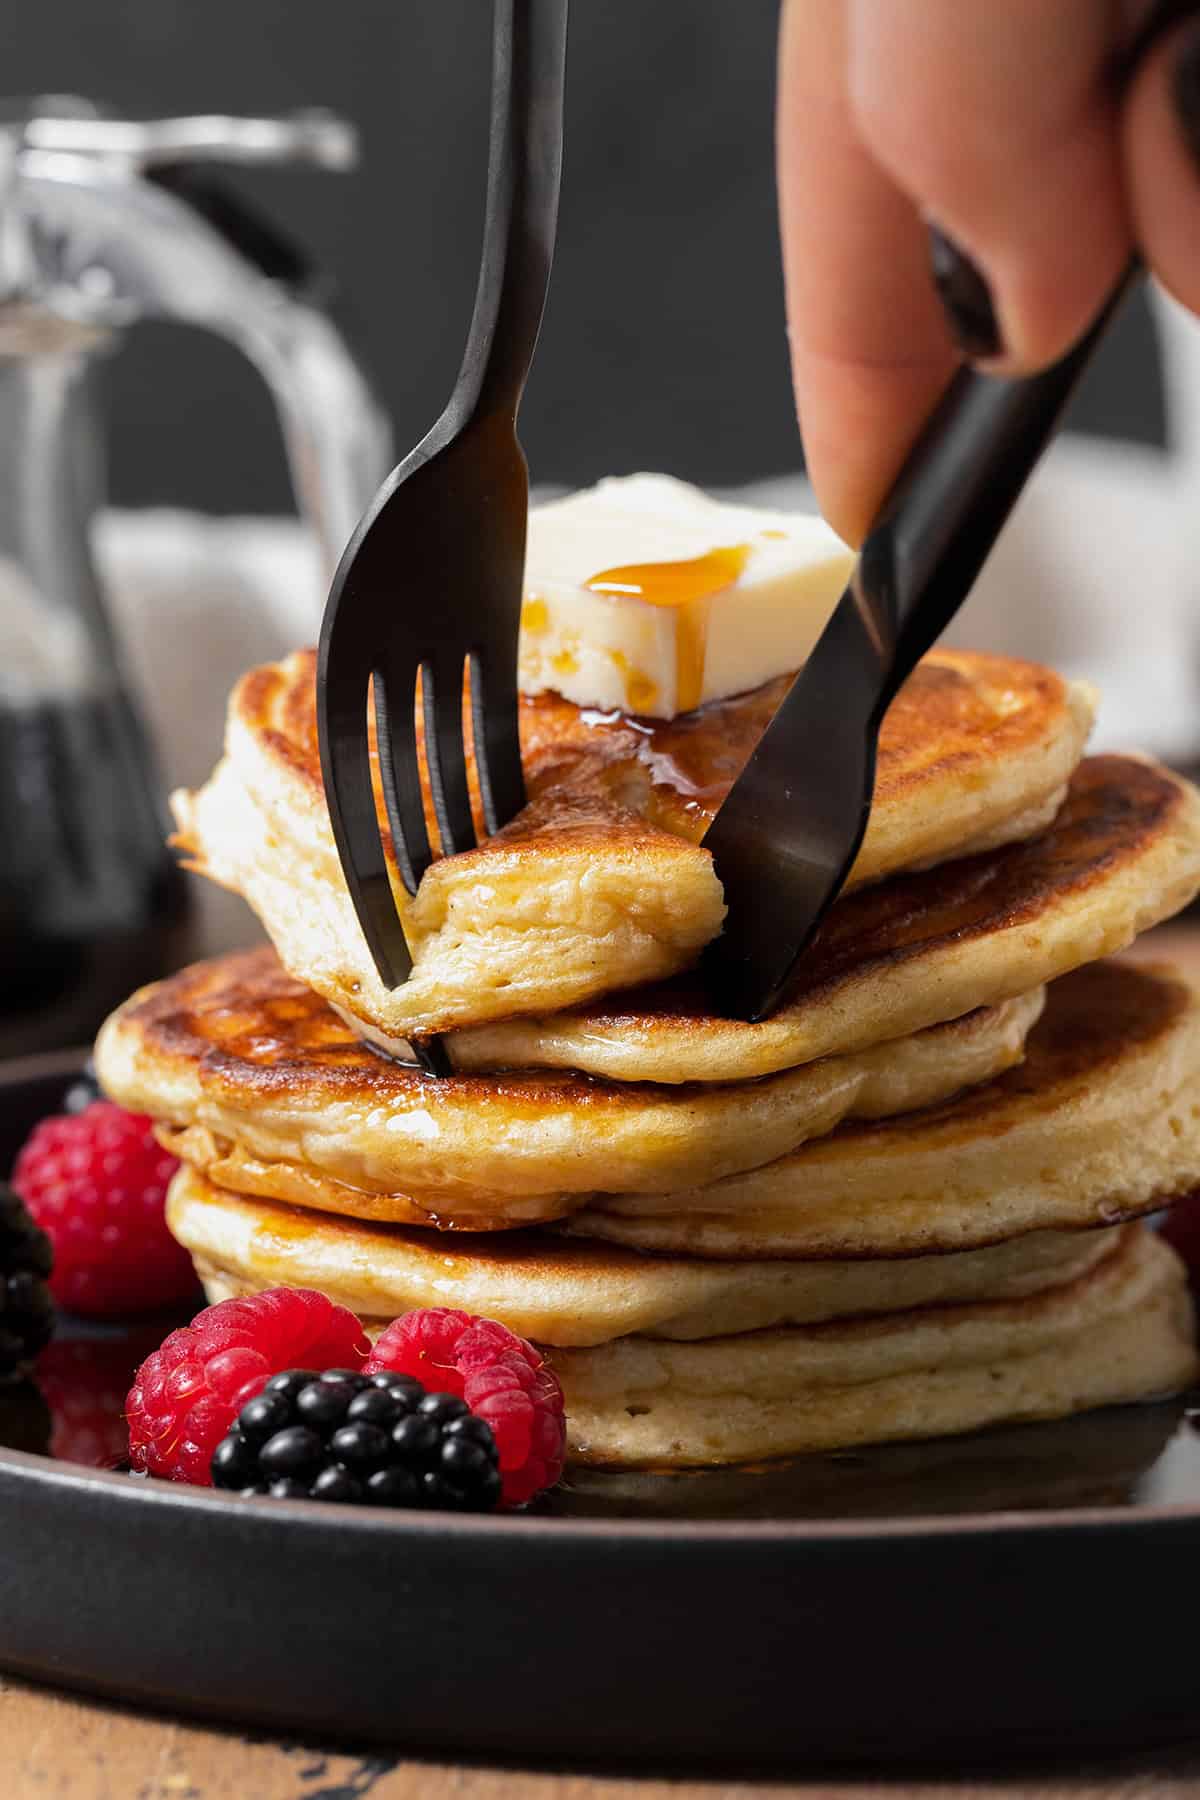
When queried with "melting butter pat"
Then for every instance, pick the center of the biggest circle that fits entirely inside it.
(642, 595)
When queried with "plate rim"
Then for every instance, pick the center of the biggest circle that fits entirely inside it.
(125, 1490)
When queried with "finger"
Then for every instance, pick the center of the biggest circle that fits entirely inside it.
(870, 353)
(1000, 123)
(1161, 133)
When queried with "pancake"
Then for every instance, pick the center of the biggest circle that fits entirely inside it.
(1100, 1122)
(1122, 1331)
(601, 882)
(261, 1072)
(1123, 854)
(574, 1294)
(1119, 1329)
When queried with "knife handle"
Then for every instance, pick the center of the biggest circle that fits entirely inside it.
(953, 495)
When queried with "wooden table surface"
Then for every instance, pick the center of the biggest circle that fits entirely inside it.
(55, 1744)
(52, 1746)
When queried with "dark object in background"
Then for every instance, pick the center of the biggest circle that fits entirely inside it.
(25, 1422)
(91, 241)
(91, 903)
(663, 345)
(26, 1309)
(81, 1093)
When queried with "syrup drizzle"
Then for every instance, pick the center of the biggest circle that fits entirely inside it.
(688, 586)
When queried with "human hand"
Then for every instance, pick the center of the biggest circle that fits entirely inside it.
(968, 178)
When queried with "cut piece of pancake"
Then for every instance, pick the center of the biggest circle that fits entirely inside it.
(574, 1294)
(1123, 854)
(1100, 1122)
(1124, 1330)
(601, 883)
(278, 1096)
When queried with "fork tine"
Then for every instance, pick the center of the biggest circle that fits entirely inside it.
(395, 724)
(433, 1056)
(494, 716)
(441, 696)
(396, 727)
(346, 767)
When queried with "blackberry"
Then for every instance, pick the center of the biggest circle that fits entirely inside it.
(370, 1440)
(26, 1309)
(25, 1419)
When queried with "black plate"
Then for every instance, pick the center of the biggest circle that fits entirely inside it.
(1015, 1590)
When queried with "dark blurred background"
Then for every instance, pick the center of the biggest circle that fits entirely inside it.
(664, 342)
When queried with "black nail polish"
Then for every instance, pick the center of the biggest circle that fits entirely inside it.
(1185, 91)
(964, 295)
(1160, 18)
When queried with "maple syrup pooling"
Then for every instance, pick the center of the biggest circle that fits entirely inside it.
(690, 587)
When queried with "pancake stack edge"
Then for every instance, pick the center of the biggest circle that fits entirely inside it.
(907, 1205)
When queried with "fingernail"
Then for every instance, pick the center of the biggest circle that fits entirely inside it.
(1161, 17)
(1185, 88)
(965, 296)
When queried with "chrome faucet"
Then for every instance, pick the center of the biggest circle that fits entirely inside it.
(105, 222)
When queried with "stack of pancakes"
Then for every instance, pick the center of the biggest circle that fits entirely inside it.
(904, 1205)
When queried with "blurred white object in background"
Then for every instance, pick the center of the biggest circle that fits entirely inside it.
(1096, 573)
(196, 602)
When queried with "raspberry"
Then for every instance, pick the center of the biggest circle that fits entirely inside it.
(502, 1379)
(364, 1440)
(186, 1395)
(95, 1181)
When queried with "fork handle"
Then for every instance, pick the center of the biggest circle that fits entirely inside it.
(955, 492)
(524, 168)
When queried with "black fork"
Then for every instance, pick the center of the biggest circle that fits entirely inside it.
(429, 587)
